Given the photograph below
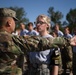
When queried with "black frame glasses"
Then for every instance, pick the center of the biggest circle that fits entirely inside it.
(39, 22)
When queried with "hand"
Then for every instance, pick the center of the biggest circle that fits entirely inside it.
(73, 41)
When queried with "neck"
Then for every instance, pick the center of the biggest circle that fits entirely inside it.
(44, 33)
(6, 29)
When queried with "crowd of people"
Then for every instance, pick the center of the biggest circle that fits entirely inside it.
(35, 52)
(55, 32)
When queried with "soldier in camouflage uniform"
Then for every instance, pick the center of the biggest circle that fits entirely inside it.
(74, 53)
(65, 67)
(13, 47)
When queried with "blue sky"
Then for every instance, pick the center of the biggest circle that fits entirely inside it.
(35, 7)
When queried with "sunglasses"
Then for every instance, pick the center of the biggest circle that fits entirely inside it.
(39, 22)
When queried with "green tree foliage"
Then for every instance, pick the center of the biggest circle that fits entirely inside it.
(21, 15)
(55, 16)
(71, 18)
(65, 23)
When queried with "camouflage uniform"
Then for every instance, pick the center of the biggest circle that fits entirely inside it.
(74, 63)
(65, 67)
(14, 47)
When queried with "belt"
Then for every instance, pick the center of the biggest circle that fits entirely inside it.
(43, 65)
(39, 65)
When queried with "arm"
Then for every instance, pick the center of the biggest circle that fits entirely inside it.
(55, 60)
(36, 43)
(55, 70)
(73, 41)
(40, 43)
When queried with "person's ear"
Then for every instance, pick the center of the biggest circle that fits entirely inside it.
(47, 26)
(8, 23)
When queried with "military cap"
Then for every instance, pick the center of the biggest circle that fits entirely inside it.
(6, 12)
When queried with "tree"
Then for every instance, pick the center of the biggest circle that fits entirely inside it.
(55, 15)
(65, 23)
(71, 18)
(20, 14)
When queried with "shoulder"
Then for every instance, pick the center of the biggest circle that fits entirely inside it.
(60, 32)
(36, 32)
(47, 36)
(70, 35)
(50, 36)
(5, 36)
(26, 30)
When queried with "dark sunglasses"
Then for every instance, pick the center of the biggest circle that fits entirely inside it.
(39, 22)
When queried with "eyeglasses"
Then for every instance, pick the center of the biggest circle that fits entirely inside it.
(39, 22)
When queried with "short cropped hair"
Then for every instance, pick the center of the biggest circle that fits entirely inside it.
(30, 23)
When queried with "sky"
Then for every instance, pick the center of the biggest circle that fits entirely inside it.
(33, 8)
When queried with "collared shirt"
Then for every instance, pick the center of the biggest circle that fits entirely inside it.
(68, 36)
(23, 32)
(33, 32)
(60, 33)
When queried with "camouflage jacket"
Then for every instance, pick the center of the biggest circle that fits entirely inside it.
(13, 46)
(21, 45)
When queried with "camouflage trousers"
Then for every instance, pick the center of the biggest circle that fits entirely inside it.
(10, 70)
(66, 73)
(74, 63)
(39, 70)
